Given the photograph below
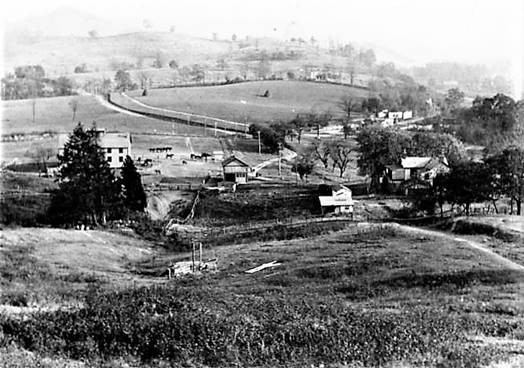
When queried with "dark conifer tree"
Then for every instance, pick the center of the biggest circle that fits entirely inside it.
(88, 190)
(134, 195)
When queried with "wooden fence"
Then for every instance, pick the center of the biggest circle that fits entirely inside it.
(125, 102)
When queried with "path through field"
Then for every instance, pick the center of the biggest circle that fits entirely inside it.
(491, 254)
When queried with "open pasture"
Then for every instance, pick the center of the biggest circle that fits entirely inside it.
(56, 115)
(243, 102)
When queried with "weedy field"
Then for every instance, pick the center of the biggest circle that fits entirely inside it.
(243, 102)
(366, 296)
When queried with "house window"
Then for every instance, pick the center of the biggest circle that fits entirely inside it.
(109, 159)
(120, 159)
(120, 150)
(109, 150)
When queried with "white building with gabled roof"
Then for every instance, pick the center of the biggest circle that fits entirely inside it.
(116, 146)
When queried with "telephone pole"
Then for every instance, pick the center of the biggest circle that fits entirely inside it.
(259, 145)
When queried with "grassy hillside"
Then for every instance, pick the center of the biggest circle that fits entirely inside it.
(54, 114)
(60, 55)
(242, 102)
(359, 298)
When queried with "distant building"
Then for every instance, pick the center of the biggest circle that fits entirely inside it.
(414, 172)
(340, 201)
(116, 146)
(235, 170)
(218, 155)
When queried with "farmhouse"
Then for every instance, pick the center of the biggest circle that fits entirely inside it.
(340, 201)
(416, 170)
(235, 170)
(116, 146)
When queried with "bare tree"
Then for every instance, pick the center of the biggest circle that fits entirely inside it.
(145, 79)
(33, 105)
(41, 155)
(73, 104)
(347, 104)
(340, 152)
(322, 152)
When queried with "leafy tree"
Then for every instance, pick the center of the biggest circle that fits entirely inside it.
(347, 130)
(508, 167)
(378, 148)
(454, 98)
(173, 64)
(437, 145)
(269, 137)
(304, 166)
(466, 184)
(371, 104)
(134, 195)
(123, 80)
(88, 190)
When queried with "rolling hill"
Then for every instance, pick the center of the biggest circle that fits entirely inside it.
(243, 102)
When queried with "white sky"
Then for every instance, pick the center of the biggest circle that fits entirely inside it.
(473, 31)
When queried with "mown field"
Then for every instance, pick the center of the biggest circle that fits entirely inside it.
(363, 297)
(54, 114)
(242, 102)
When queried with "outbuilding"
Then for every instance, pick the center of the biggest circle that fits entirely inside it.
(340, 201)
(235, 170)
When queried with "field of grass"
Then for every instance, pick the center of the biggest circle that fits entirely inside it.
(358, 298)
(54, 114)
(242, 102)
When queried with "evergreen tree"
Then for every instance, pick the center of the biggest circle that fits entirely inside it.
(134, 195)
(88, 190)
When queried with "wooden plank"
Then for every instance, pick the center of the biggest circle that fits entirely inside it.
(263, 266)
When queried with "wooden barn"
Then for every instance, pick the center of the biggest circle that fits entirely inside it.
(235, 170)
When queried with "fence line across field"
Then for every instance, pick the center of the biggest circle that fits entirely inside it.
(125, 102)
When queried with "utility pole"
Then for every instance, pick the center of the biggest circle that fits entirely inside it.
(215, 128)
(280, 160)
(259, 145)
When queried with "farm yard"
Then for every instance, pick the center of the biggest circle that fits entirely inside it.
(243, 102)
(370, 295)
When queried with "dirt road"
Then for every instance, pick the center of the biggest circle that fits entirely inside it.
(492, 255)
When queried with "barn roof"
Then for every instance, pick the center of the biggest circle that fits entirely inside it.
(230, 159)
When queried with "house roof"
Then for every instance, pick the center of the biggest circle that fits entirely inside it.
(415, 162)
(230, 159)
(108, 140)
(335, 201)
(114, 140)
(337, 187)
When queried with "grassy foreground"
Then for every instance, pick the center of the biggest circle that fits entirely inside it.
(354, 298)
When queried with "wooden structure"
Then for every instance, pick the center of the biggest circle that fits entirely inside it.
(235, 170)
(340, 201)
